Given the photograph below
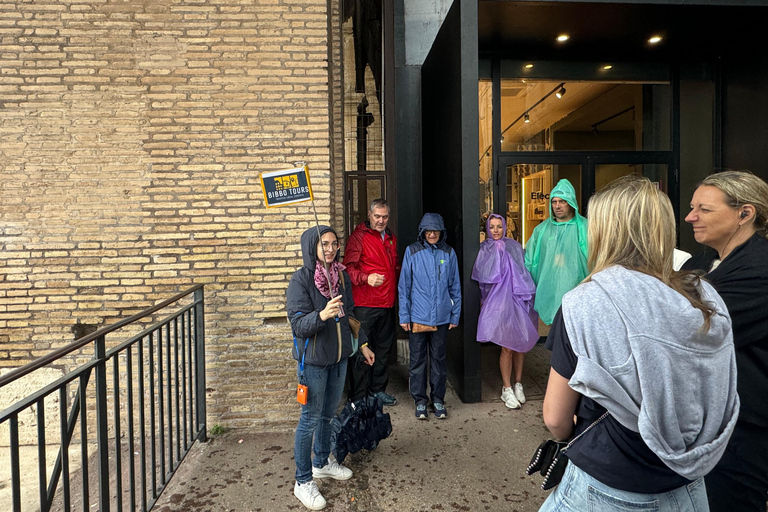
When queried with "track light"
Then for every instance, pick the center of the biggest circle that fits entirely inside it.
(527, 118)
(560, 93)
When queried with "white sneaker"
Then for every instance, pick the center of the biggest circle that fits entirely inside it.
(519, 392)
(309, 495)
(508, 396)
(332, 470)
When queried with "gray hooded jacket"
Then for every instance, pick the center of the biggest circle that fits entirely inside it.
(304, 303)
(642, 357)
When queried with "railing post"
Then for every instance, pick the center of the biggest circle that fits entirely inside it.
(102, 435)
(200, 363)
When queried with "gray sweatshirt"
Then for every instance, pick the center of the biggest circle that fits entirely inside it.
(642, 356)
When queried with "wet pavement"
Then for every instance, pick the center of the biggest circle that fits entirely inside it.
(472, 461)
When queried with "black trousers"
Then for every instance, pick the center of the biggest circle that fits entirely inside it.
(379, 325)
(739, 482)
(428, 350)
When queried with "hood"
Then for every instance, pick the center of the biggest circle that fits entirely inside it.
(488, 225)
(564, 190)
(432, 222)
(309, 240)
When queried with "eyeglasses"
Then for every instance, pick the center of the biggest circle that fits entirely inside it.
(330, 245)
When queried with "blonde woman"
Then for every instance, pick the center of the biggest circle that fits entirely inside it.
(643, 357)
(729, 212)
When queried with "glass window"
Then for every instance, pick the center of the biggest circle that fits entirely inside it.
(552, 115)
(606, 173)
(485, 109)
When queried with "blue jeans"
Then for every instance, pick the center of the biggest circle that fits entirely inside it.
(579, 492)
(326, 385)
(423, 346)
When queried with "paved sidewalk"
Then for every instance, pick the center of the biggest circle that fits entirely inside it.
(473, 460)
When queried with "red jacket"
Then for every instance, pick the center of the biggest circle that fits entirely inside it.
(366, 253)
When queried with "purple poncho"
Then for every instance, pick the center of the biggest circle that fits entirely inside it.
(507, 317)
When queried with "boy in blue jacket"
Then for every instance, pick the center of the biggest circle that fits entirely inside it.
(430, 303)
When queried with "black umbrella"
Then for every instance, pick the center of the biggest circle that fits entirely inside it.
(360, 424)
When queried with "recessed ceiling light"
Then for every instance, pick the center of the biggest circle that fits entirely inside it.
(528, 66)
(654, 39)
(563, 37)
(607, 67)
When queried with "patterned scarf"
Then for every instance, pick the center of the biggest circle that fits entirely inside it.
(321, 281)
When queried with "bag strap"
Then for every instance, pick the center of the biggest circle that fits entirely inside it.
(598, 420)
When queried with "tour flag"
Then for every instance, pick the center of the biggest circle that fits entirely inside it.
(286, 187)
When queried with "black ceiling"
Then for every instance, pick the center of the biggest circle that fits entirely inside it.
(528, 29)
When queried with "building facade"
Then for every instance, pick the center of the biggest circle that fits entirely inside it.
(134, 133)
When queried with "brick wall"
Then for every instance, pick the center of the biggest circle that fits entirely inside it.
(132, 137)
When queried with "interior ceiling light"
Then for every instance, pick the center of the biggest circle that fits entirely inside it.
(528, 66)
(563, 38)
(655, 39)
(560, 93)
(607, 67)
(527, 118)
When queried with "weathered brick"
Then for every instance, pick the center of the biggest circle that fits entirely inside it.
(133, 138)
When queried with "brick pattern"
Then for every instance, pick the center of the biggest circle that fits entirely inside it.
(133, 134)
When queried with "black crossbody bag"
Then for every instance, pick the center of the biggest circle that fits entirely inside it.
(550, 459)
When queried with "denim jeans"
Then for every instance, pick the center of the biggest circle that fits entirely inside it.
(423, 346)
(326, 385)
(579, 492)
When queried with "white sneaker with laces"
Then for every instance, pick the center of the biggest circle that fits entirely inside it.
(332, 470)
(519, 392)
(508, 396)
(309, 495)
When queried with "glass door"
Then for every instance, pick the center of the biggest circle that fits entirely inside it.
(526, 186)
(526, 182)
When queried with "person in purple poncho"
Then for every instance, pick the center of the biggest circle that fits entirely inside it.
(507, 317)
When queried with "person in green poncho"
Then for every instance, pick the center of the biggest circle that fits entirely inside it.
(556, 253)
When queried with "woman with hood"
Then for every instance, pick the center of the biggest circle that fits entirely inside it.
(643, 356)
(506, 317)
(319, 305)
(429, 293)
(556, 252)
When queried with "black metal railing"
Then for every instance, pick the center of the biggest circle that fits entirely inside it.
(156, 387)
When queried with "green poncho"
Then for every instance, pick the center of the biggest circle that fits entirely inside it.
(556, 254)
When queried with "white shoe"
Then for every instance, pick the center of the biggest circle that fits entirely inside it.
(309, 495)
(508, 396)
(519, 392)
(332, 470)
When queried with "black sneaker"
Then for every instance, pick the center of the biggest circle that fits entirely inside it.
(385, 398)
(440, 412)
(421, 412)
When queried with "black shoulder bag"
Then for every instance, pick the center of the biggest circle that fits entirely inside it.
(550, 459)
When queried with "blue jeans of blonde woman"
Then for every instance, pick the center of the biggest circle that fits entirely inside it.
(579, 492)
(326, 385)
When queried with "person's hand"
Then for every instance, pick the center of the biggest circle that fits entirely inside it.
(375, 280)
(452, 326)
(331, 309)
(406, 327)
(368, 355)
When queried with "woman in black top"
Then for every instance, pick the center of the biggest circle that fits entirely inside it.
(729, 211)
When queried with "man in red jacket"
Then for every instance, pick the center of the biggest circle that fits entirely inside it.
(371, 260)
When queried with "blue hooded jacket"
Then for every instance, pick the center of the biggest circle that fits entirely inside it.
(429, 289)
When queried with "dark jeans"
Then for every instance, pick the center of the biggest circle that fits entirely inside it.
(379, 325)
(740, 479)
(432, 344)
